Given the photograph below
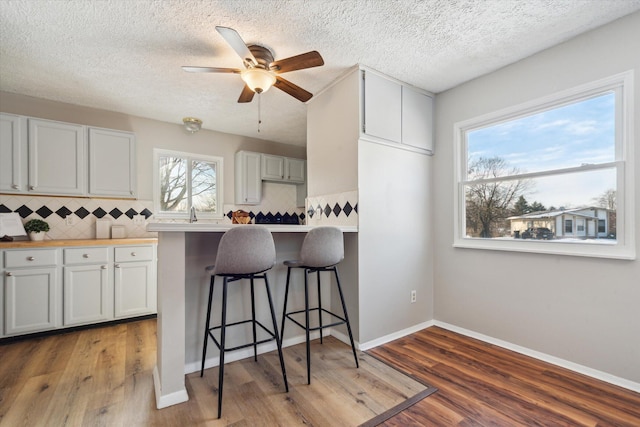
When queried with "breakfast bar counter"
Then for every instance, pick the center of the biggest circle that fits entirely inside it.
(183, 251)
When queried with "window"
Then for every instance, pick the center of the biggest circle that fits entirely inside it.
(548, 164)
(184, 180)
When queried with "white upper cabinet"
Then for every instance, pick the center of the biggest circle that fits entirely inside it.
(382, 100)
(13, 153)
(248, 180)
(294, 170)
(40, 156)
(111, 163)
(272, 167)
(396, 114)
(417, 119)
(57, 158)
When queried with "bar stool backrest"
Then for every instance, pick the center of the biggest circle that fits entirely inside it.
(322, 247)
(245, 250)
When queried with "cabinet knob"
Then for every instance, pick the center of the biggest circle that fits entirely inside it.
(9, 273)
(117, 266)
(133, 254)
(15, 186)
(32, 187)
(85, 256)
(30, 258)
(104, 267)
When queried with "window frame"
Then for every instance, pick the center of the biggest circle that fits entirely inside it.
(624, 248)
(189, 157)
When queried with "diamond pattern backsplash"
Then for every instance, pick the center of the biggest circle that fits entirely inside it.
(75, 218)
(333, 209)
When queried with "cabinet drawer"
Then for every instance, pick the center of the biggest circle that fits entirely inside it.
(30, 258)
(86, 255)
(134, 253)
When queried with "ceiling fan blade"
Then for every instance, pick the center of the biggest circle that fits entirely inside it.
(235, 41)
(211, 70)
(293, 90)
(246, 95)
(298, 62)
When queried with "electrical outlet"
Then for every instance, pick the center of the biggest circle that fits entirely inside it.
(70, 220)
(138, 220)
(414, 297)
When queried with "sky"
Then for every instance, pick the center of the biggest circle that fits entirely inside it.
(579, 133)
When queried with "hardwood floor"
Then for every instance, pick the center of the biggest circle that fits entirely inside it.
(102, 377)
(480, 384)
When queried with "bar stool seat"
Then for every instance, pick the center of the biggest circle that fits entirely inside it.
(245, 252)
(322, 249)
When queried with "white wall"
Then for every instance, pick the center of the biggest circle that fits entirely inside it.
(583, 310)
(332, 149)
(151, 134)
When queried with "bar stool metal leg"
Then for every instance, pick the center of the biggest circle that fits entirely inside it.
(253, 318)
(223, 325)
(306, 318)
(284, 310)
(319, 305)
(277, 336)
(346, 316)
(206, 328)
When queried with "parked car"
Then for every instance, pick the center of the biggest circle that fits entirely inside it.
(540, 233)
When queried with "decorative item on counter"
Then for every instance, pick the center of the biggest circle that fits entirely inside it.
(117, 232)
(103, 228)
(240, 217)
(36, 228)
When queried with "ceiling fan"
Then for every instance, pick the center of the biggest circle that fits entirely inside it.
(260, 70)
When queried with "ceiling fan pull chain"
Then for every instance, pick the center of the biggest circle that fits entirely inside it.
(259, 112)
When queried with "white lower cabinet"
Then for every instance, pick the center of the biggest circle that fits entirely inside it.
(31, 291)
(135, 281)
(53, 288)
(88, 289)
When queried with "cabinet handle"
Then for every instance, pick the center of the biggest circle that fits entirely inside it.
(9, 273)
(85, 256)
(117, 266)
(30, 258)
(104, 267)
(133, 254)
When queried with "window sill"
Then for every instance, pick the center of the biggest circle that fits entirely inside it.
(556, 247)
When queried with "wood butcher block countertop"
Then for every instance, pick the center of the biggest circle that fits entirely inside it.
(27, 244)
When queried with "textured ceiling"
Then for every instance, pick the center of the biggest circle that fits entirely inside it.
(126, 56)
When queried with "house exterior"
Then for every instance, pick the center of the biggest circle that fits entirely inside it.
(584, 222)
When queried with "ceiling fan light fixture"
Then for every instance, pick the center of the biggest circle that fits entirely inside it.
(191, 124)
(258, 79)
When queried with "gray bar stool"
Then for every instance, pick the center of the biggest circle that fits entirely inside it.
(245, 252)
(322, 249)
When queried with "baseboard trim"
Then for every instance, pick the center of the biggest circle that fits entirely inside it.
(581, 369)
(169, 399)
(387, 338)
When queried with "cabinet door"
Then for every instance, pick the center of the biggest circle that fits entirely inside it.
(111, 163)
(382, 112)
(295, 170)
(272, 167)
(56, 158)
(86, 294)
(248, 185)
(135, 290)
(13, 153)
(31, 300)
(417, 119)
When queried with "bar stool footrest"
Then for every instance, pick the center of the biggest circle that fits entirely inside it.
(272, 336)
(342, 320)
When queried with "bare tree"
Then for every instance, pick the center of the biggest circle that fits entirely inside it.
(489, 203)
(607, 199)
(173, 184)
